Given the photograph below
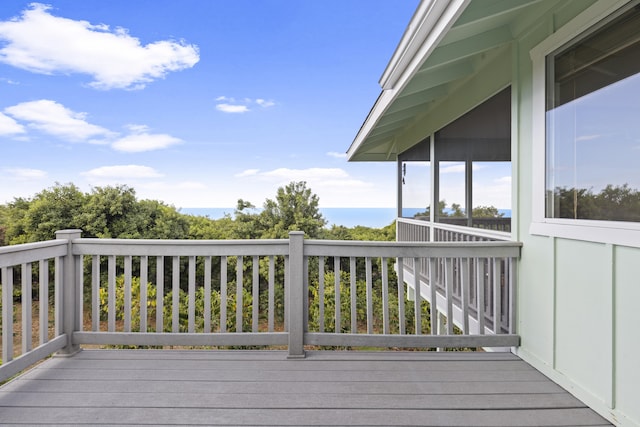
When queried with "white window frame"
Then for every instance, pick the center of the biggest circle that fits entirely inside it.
(613, 232)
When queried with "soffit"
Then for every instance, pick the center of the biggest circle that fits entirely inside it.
(484, 26)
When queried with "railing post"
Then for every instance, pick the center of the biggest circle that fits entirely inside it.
(70, 291)
(295, 295)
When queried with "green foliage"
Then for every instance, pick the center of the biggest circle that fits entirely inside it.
(486, 212)
(135, 301)
(104, 212)
(455, 211)
(183, 307)
(359, 232)
(295, 208)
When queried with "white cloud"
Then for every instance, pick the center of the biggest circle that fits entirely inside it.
(122, 171)
(306, 174)
(453, 169)
(55, 119)
(503, 180)
(141, 140)
(232, 105)
(337, 155)
(24, 174)
(264, 103)
(8, 126)
(231, 108)
(332, 185)
(42, 43)
(248, 172)
(8, 81)
(459, 168)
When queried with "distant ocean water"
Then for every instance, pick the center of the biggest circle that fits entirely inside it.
(348, 217)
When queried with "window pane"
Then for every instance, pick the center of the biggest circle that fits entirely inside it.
(593, 125)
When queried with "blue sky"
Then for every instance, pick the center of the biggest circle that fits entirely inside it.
(194, 102)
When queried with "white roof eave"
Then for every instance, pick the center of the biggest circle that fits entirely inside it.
(429, 24)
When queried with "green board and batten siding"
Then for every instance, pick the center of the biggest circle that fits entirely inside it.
(577, 300)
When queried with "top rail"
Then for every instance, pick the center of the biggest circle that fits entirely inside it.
(31, 252)
(419, 230)
(149, 247)
(472, 249)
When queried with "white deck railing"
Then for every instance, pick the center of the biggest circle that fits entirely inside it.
(291, 292)
(492, 278)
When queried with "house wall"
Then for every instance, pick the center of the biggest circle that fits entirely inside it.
(577, 313)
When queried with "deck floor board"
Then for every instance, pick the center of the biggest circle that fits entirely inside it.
(177, 387)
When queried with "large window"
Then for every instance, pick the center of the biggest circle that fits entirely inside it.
(593, 124)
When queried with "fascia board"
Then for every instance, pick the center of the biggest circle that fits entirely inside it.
(428, 26)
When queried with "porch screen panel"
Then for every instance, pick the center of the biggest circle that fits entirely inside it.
(415, 178)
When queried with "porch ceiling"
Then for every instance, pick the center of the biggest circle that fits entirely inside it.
(444, 45)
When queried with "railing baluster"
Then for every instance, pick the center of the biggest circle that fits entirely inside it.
(464, 302)
(111, 293)
(385, 296)
(57, 289)
(127, 293)
(207, 294)
(354, 308)
(305, 293)
(223, 294)
(256, 294)
(448, 278)
(175, 294)
(159, 294)
(43, 295)
(272, 279)
(144, 280)
(401, 296)
(321, 294)
(80, 293)
(336, 272)
(287, 282)
(7, 314)
(497, 295)
(512, 295)
(369, 295)
(417, 308)
(192, 294)
(239, 288)
(480, 299)
(95, 293)
(433, 305)
(27, 314)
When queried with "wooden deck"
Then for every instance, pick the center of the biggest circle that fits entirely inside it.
(221, 388)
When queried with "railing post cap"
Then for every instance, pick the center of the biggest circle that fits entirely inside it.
(66, 234)
(296, 233)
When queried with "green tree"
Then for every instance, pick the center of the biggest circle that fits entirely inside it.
(247, 224)
(109, 212)
(156, 220)
(204, 228)
(486, 212)
(295, 208)
(56, 208)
